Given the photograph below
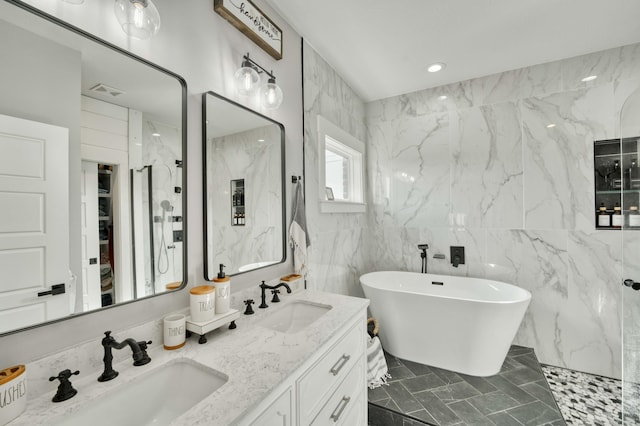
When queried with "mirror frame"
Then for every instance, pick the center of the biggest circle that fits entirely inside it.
(210, 274)
(56, 21)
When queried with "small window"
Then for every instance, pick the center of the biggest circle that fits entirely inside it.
(341, 170)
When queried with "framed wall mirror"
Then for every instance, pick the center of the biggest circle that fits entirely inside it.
(92, 179)
(243, 153)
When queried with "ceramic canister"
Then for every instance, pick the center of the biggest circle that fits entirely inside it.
(174, 331)
(203, 303)
(13, 393)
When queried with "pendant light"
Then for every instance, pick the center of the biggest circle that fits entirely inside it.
(138, 18)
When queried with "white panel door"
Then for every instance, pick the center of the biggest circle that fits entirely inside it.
(91, 293)
(34, 221)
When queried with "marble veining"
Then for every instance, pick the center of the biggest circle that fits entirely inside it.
(242, 156)
(512, 180)
(254, 358)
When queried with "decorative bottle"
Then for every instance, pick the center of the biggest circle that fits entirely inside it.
(616, 217)
(604, 218)
(633, 220)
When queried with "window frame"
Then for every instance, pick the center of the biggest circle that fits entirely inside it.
(357, 169)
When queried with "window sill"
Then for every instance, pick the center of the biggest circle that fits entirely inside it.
(342, 207)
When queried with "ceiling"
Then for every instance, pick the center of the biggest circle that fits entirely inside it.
(382, 48)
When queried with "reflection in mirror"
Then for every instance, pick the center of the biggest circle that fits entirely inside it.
(244, 187)
(91, 176)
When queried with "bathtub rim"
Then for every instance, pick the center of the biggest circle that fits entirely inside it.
(525, 293)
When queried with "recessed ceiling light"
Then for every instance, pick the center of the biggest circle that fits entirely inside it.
(442, 97)
(260, 140)
(550, 126)
(438, 66)
(155, 134)
(590, 78)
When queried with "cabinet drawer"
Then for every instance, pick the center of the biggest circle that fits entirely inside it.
(280, 413)
(356, 414)
(343, 401)
(318, 383)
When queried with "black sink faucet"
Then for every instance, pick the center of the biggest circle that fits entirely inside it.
(264, 288)
(140, 356)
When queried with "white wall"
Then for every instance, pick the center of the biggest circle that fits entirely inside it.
(205, 50)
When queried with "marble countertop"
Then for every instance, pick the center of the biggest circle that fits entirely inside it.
(255, 359)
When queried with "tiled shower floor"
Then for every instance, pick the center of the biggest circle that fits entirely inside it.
(518, 395)
(585, 399)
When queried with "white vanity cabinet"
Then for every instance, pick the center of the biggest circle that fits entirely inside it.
(329, 388)
(279, 413)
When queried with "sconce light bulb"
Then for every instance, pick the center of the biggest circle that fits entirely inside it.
(271, 95)
(247, 80)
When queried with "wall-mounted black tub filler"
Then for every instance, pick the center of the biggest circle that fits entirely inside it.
(423, 255)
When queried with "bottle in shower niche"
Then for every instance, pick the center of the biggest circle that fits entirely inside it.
(604, 218)
(616, 217)
(633, 218)
(615, 180)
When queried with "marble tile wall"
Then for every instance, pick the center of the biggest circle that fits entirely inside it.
(337, 251)
(476, 163)
(240, 156)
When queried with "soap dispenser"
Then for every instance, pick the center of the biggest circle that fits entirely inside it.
(223, 291)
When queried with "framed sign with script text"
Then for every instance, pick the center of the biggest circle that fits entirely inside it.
(250, 20)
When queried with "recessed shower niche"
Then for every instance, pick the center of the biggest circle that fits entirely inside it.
(617, 183)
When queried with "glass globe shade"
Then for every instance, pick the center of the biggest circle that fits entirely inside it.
(271, 95)
(138, 18)
(247, 80)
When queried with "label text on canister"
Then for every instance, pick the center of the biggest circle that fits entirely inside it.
(13, 393)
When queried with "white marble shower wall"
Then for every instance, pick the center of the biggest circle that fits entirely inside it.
(242, 156)
(503, 166)
(161, 148)
(337, 251)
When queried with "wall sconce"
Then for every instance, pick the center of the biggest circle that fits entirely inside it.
(138, 18)
(248, 78)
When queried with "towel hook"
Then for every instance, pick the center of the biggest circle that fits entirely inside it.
(295, 179)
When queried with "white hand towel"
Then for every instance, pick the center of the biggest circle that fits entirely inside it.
(298, 237)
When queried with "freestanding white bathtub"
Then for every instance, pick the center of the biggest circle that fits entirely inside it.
(457, 323)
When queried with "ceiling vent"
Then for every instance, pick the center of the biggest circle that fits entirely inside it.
(107, 90)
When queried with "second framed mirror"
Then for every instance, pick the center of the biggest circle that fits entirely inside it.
(243, 164)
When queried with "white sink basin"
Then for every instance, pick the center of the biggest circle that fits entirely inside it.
(155, 398)
(294, 316)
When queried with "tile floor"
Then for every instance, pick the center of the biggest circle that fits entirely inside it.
(419, 394)
(585, 399)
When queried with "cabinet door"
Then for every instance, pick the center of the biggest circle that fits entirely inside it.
(280, 413)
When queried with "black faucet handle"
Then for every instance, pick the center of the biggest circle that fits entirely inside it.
(144, 345)
(249, 309)
(142, 358)
(65, 389)
(276, 298)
